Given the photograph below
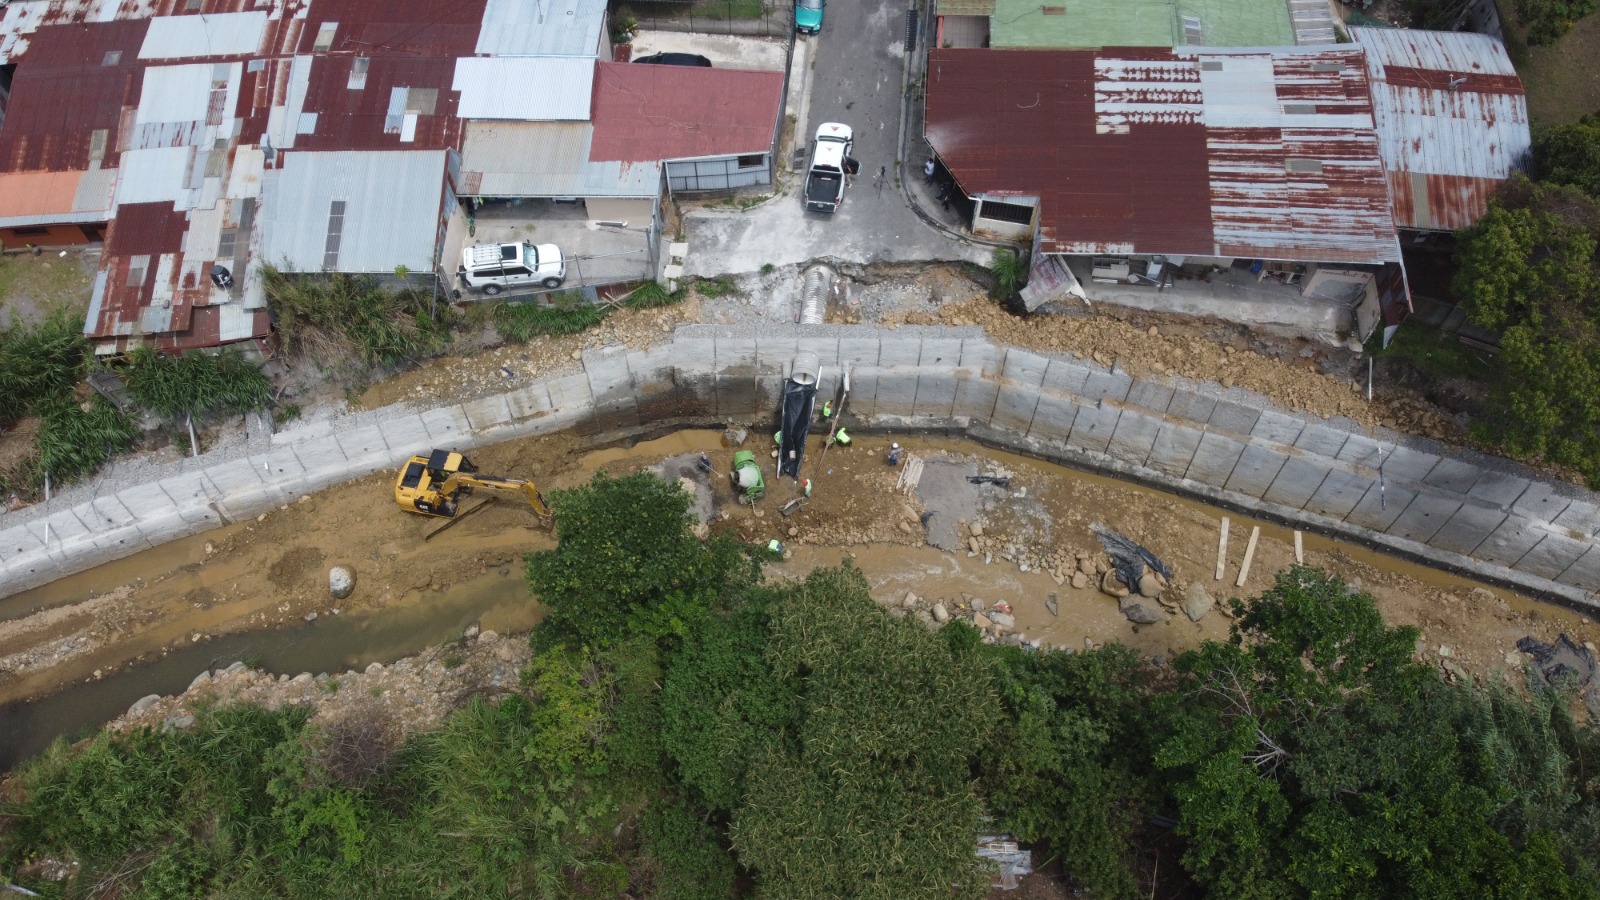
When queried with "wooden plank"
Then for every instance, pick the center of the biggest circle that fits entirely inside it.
(1249, 555)
(1299, 550)
(1222, 550)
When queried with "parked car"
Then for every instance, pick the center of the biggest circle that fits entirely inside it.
(808, 15)
(830, 164)
(491, 268)
(675, 59)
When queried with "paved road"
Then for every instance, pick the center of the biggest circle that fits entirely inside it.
(857, 64)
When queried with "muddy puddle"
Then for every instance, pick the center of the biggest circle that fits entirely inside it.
(77, 652)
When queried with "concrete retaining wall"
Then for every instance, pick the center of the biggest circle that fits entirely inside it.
(1460, 511)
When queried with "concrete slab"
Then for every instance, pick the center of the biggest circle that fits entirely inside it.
(1297, 482)
(936, 390)
(1542, 502)
(1381, 506)
(1580, 516)
(975, 395)
(192, 493)
(1405, 464)
(651, 366)
(1320, 440)
(899, 351)
(572, 391)
(1214, 459)
(1498, 488)
(1454, 475)
(897, 391)
(1135, 435)
(775, 352)
(1174, 449)
(1255, 471)
(1511, 541)
(1014, 406)
(322, 458)
(368, 440)
(1192, 406)
(447, 426)
(1277, 427)
(854, 351)
(1360, 450)
(405, 431)
(978, 353)
(1092, 427)
(237, 477)
(1113, 386)
(485, 413)
(937, 352)
(1063, 376)
(1468, 528)
(525, 402)
(17, 543)
(693, 351)
(1552, 556)
(146, 501)
(281, 465)
(1053, 420)
(104, 513)
(826, 348)
(1427, 515)
(1584, 572)
(1339, 493)
(1150, 394)
(608, 373)
(1234, 418)
(122, 542)
(736, 351)
(1025, 369)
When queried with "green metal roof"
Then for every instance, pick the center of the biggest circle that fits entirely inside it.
(1140, 23)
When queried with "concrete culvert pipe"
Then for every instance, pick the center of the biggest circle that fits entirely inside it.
(817, 284)
(805, 369)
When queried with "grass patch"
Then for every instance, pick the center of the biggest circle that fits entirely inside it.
(720, 286)
(39, 361)
(337, 318)
(522, 322)
(1559, 77)
(1438, 354)
(45, 283)
(196, 383)
(76, 439)
(651, 295)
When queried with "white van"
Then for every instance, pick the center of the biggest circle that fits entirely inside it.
(492, 268)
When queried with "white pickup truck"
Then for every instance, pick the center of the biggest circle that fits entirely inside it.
(830, 154)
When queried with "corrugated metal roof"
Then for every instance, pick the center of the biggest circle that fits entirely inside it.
(390, 214)
(1248, 153)
(394, 89)
(33, 194)
(219, 34)
(205, 93)
(65, 92)
(1452, 121)
(159, 174)
(541, 28)
(527, 89)
(646, 113)
(546, 159)
(408, 27)
(1139, 23)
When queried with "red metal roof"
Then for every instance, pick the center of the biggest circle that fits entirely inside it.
(358, 119)
(647, 113)
(63, 92)
(1179, 152)
(376, 27)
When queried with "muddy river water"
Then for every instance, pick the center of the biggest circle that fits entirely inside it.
(77, 652)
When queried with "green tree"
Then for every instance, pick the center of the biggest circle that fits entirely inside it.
(627, 563)
(1315, 757)
(1528, 270)
(1570, 154)
(1546, 21)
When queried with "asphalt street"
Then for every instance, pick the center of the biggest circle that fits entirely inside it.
(857, 67)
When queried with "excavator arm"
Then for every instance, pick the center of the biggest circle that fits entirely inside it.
(527, 489)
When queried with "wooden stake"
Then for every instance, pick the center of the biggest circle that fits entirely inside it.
(1299, 550)
(1249, 554)
(1222, 550)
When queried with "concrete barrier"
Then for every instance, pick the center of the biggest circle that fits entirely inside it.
(1449, 508)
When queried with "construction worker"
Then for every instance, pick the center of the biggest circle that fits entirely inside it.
(774, 547)
(894, 454)
(827, 410)
(705, 463)
(841, 438)
(806, 486)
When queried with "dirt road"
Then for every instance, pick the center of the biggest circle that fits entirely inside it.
(271, 573)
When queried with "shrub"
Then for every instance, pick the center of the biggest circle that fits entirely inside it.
(196, 383)
(521, 322)
(46, 360)
(1006, 267)
(651, 295)
(75, 439)
(337, 318)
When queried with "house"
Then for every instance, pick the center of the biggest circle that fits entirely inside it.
(198, 141)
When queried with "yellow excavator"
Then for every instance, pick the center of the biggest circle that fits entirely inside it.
(439, 484)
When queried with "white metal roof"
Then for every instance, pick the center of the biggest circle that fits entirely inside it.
(158, 173)
(529, 89)
(216, 34)
(546, 159)
(188, 93)
(541, 28)
(392, 204)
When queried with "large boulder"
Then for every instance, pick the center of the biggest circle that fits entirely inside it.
(1139, 613)
(1197, 602)
(341, 581)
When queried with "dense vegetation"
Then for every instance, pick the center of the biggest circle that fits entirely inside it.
(1545, 21)
(687, 730)
(195, 383)
(1529, 270)
(338, 319)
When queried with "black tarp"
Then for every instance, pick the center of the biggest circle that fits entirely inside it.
(799, 402)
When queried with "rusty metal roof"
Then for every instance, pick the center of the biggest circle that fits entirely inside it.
(380, 27)
(67, 98)
(1249, 153)
(1452, 121)
(400, 103)
(646, 113)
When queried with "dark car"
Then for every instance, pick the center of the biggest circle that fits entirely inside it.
(675, 59)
